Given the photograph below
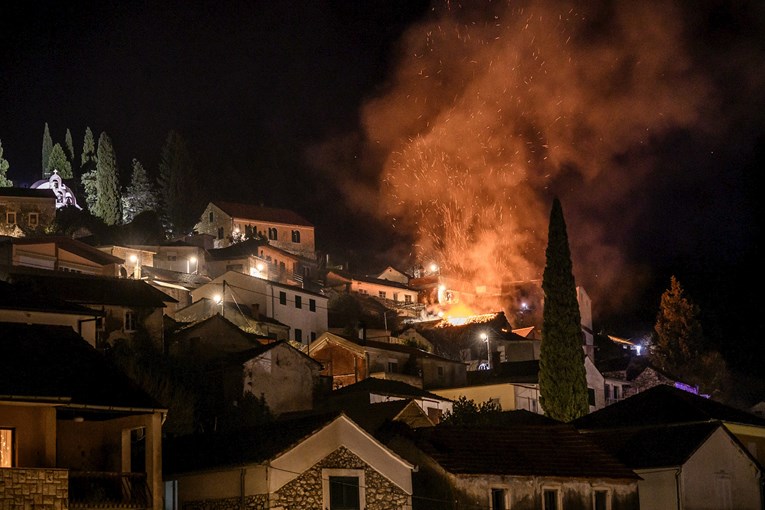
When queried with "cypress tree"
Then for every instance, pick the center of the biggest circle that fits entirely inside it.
(178, 184)
(69, 145)
(107, 204)
(88, 169)
(562, 377)
(58, 161)
(4, 166)
(47, 147)
(140, 195)
(677, 338)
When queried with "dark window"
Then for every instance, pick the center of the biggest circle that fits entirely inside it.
(211, 217)
(298, 302)
(312, 305)
(601, 500)
(607, 391)
(299, 335)
(248, 231)
(273, 234)
(295, 236)
(220, 232)
(282, 298)
(591, 396)
(131, 321)
(344, 493)
(440, 371)
(550, 499)
(392, 367)
(313, 336)
(499, 499)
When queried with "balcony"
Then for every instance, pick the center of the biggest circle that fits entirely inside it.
(106, 490)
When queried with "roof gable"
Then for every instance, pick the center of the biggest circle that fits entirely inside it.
(260, 213)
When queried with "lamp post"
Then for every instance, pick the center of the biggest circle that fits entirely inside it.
(485, 338)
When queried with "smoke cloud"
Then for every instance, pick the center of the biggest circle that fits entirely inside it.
(494, 109)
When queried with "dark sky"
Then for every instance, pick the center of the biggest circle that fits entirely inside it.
(461, 121)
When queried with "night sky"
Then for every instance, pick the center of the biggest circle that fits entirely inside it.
(401, 127)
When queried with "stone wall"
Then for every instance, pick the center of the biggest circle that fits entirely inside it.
(257, 502)
(305, 492)
(41, 489)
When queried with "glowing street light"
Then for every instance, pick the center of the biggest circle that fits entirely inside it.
(433, 267)
(485, 338)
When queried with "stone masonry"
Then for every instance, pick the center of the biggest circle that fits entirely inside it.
(41, 489)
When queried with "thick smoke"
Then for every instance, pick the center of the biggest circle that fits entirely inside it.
(494, 109)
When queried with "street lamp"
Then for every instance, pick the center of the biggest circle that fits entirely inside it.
(485, 338)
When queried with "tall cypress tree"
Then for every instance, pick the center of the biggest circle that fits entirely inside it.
(59, 161)
(107, 204)
(678, 337)
(88, 169)
(69, 145)
(47, 147)
(562, 377)
(140, 195)
(178, 184)
(4, 166)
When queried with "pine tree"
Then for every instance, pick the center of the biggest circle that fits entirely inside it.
(47, 147)
(140, 195)
(178, 184)
(4, 166)
(107, 204)
(88, 169)
(69, 145)
(562, 377)
(58, 161)
(678, 333)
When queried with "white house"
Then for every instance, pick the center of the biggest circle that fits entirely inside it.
(305, 312)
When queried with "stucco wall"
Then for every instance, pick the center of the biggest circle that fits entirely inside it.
(35, 434)
(284, 376)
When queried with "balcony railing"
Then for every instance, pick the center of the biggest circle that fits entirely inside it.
(96, 489)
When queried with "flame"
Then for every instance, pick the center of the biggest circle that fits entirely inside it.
(461, 314)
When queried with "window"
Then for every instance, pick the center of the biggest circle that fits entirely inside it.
(273, 234)
(248, 231)
(220, 232)
(440, 372)
(295, 236)
(313, 336)
(211, 217)
(601, 500)
(10, 217)
(381, 294)
(6, 448)
(550, 499)
(312, 305)
(130, 320)
(298, 301)
(607, 391)
(616, 392)
(407, 299)
(33, 219)
(172, 256)
(591, 396)
(299, 335)
(392, 367)
(499, 499)
(282, 298)
(343, 489)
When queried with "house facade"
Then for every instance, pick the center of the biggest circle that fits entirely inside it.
(311, 464)
(58, 254)
(305, 312)
(389, 291)
(24, 211)
(230, 222)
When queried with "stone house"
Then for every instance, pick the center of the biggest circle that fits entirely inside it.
(74, 431)
(247, 318)
(231, 222)
(523, 466)
(349, 360)
(311, 463)
(388, 291)
(24, 211)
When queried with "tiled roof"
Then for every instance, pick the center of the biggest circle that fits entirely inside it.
(664, 405)
(403, 348)
(71, 245)
(260, 213)
(554, 450)
(654, 447)
(92, 290)
(387, 387)
(237, 250)
(54, 364)
(507, 372)
(249, 445)
(167, 275)
(15, 297)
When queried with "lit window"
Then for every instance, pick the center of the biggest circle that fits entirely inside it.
(312, 305)
(10, 217)
(34, 219)
(6, 448)
(499, 499)
(282, 298)
(343, 489)
(130, 321)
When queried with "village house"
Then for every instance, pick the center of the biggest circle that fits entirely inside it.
(24, 211)
(247, 318)
(59, 253)
(305, 312)
(390, 292)
(74, 431)
(313, 462)
(231, 222)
